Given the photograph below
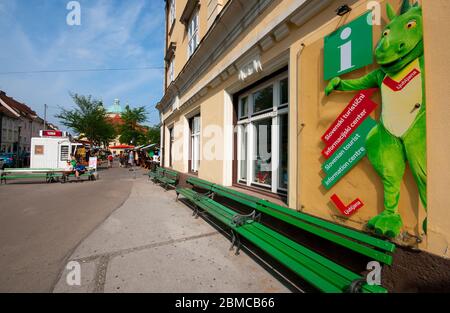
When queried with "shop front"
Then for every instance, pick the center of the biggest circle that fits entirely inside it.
(324, 106)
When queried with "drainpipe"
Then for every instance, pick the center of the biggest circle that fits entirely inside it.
(299, 129)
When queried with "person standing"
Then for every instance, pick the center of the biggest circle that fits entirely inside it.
(131, 159)
(121, 159)
(110, 160)
(136, 158)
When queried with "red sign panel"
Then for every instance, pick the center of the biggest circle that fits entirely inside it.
(347, 210)
(397, 86)
(351, 118)
(52, 133)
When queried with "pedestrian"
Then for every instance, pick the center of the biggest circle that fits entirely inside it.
(110, 160)
(120, 159)
(131, 159)
(136, 158)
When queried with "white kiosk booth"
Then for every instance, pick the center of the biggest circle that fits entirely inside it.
(52, 150)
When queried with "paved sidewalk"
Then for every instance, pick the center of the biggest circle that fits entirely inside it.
(153, 244)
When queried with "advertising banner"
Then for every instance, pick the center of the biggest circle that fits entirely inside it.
(93, 162)
(397, 141)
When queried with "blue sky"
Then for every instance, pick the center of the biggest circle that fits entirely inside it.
(113, 34)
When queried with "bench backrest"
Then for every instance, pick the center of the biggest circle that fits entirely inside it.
(194, 181)
(264, 205)
(237, 196)
(171, 174)
(354, 240)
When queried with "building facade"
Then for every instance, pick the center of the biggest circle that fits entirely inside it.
(18, 124)
(248, 103)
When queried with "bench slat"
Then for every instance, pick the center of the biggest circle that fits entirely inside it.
(333, 237)
(200, 183)
(321, 272)
(307, 274)
(236, 196)
(378, 243)
(310, 263)
(348, 275)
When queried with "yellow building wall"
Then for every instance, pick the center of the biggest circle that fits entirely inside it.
(311, 113)
(316, 112)
(437, 56)
(212, 138)
(179, 33)
(241, 44)
(212, 112)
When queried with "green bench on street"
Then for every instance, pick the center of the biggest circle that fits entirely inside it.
(316, 269)
(47, 174)
(164, 177)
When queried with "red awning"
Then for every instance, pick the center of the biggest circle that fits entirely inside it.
(121, 147)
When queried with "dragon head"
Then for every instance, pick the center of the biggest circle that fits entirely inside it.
(402, 39)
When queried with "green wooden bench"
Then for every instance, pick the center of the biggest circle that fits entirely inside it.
(321, 272)
(167, 178)
(153, 175)
(356, 241)
(89, 174)
(49, 178)
(49, 175)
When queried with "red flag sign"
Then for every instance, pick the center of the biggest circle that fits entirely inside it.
(350, 119)
(347, 210)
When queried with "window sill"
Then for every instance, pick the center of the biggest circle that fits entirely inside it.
(262, 193)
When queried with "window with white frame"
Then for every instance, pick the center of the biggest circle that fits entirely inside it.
(193, 36)
(172, 13)
(262, 136)
(195, 144)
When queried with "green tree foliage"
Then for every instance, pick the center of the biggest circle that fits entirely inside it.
(130, 130)
(89, 119)
(154, 134)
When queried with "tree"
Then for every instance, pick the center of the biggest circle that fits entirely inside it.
(131, 131)
(89, 119)
(154, 134)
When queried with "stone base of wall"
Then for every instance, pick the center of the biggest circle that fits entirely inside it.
(416, 271)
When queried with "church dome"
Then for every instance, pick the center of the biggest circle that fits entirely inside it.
(116, 108)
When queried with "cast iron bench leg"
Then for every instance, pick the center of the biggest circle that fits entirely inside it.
(233, 240)
(197, 212)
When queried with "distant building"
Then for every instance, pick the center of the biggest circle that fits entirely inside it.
(52, 126)
(115, 109)
(114, 114)
(18, 124)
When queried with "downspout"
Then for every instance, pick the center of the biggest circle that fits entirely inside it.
(299, 129)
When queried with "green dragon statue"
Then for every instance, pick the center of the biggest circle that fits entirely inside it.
(400, 135)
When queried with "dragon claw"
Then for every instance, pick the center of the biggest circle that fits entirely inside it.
(386, 224)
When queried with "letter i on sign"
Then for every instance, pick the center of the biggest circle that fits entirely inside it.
(349, 48)
(346, 50)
